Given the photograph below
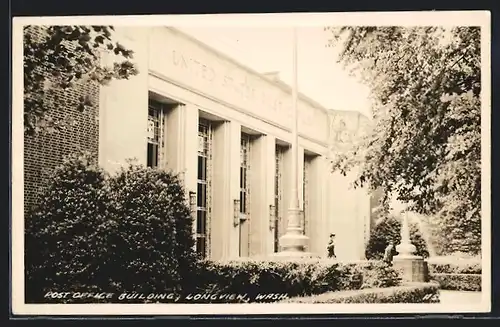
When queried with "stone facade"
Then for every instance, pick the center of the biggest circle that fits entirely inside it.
(208, 104)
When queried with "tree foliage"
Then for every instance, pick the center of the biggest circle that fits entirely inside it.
(425, 146)
(387, 229)
(56, 59)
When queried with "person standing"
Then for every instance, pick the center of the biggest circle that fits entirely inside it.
(389, 253)
(331, 247)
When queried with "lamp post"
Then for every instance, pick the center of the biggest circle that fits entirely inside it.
(293, 242)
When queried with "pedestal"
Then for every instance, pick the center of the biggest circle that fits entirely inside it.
(292, 246)
(411, 267)
(294, 255)
(293, 243)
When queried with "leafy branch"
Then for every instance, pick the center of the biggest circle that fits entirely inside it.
(58, 59)
(426, 141)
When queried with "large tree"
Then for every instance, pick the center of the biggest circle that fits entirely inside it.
(425, 146)
(58, 58)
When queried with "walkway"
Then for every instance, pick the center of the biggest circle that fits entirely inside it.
(459, 297)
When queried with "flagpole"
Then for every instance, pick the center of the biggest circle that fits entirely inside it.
(295, 133)
(294, 241)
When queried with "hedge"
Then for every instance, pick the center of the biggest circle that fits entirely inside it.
(459, 275)
(411, 293)
(458, 282)
(258, 278)
(455, 268)
(247, 281)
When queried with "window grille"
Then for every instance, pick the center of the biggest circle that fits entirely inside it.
(204, 178)
(244, 182)
(278, 190)
(244, 225)
(155, 134)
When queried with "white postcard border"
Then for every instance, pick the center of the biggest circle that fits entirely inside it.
(441, 18)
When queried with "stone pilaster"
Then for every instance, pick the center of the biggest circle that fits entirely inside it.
(316, 231)
(270, 186)
(225, 189)
(259, 203)
(221, 191)
(326, 224)
(123, 114)
(187, 151)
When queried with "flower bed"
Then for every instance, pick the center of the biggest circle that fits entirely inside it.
(409, 293)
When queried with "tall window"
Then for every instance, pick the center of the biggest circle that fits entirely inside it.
(203, 191)
(156, 130)
(245, 142)
(278, 195)
(244, 195)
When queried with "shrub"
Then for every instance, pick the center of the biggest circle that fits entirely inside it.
(65, 234)
(453, 273)
(389, 229)
(290, 278)
(458, 282)
(95, 233)
(412, 293)
(380, 274)
(464, 267)
(152, 241)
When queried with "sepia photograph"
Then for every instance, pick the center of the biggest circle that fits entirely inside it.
(251, 164)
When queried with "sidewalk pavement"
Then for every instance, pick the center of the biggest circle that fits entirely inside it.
(459, 297)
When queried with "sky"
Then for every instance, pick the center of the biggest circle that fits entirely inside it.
(269, 49)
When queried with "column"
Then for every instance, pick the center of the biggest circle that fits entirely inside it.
(234, 173)
(225, 189)
(221, 192)
(188, 154)
(326, 197)
(259, 199)
(324, 224)
(175, 139)
(286, 186)
(317, 231)
(182, 147)
(270, 186)
(123, 106)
